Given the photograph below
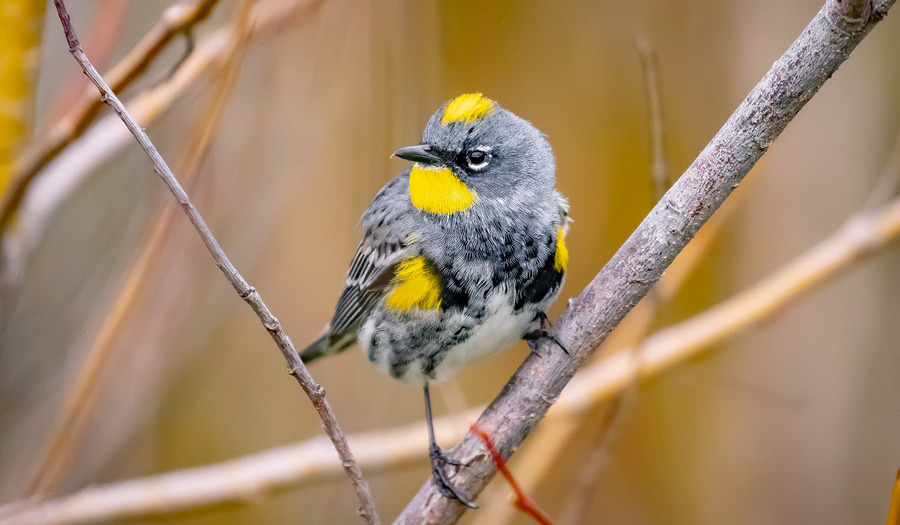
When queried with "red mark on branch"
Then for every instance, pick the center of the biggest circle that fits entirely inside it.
(522, 502)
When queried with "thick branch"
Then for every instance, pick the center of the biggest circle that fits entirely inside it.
(249, 294)
(811, 60)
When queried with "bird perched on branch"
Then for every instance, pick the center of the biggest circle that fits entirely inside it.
(463, 253)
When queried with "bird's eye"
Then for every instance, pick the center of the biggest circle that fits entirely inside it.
(477, 159)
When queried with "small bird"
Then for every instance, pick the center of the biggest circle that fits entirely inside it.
(462, 255)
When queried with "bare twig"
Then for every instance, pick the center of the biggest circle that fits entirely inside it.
(109, 17)
(239, 479)
(175, 20)
(81, 396)
(791, 82)
(296, 367)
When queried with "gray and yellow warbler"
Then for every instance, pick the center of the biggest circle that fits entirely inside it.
(463, 253)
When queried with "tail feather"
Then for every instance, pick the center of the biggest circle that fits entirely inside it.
(328, 344)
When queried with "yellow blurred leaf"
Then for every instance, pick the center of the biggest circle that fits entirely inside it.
(21, 23)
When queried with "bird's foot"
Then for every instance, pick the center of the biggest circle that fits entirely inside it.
(533, 336)
(439, 462)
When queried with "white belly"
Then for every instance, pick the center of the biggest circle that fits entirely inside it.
(496, 333)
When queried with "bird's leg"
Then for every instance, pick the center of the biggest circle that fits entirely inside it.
(532, 337)
(439, 461)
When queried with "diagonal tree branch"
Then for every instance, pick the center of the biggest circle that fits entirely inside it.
(296, 368)
(792, 81)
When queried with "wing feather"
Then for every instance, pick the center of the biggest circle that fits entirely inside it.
(370, 274)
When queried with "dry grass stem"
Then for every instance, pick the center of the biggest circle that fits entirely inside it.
(63, 440)
(105, 138)
(176, 20)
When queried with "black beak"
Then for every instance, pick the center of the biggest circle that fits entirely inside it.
(421, 153)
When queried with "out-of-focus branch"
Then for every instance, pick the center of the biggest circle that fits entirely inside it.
(791, 82)
(659, 167)
(313, 390)
(107, 136)
(859, 237)
(247, 477)
(894, 512)
(79, 400)
(237, 480)
(176, 20)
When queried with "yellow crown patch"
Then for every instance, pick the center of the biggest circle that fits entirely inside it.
(468, 108)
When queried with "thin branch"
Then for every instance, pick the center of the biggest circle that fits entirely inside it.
(106, 26)
(793, 80)
(60, 446)
(176, 19)
(314, 391)
(249, 476)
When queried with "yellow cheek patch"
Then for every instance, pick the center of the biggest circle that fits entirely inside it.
(561, 259)
(416, 285)
(439, 191)
(468, 108)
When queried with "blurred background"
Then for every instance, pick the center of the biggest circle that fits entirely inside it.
(793, 421)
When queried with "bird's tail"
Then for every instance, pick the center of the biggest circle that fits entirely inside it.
(328, 344)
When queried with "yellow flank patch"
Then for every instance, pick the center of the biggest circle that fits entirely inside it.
(416, 285)
(561, 259)
(469, 108)
(438, 190)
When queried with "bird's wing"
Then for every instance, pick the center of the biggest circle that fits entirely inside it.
(370, 273)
